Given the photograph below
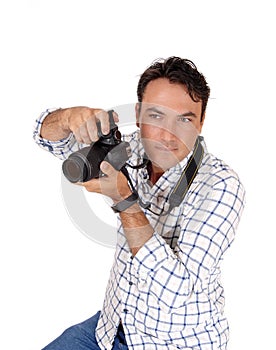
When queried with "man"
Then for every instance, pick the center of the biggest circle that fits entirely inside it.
(164, 290)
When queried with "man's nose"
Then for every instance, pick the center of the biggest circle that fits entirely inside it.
(167, 131)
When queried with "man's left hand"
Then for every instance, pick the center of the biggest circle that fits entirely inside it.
(114, 184)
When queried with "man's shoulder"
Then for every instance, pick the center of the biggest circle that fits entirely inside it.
(217, 169)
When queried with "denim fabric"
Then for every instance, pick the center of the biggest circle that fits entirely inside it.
(82, 337)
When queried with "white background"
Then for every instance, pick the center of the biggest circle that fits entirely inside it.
(64, 53)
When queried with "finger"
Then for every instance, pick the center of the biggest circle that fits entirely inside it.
(103, 118)
(92, 129)
(107, 169)
(78, 136)
(92, 185)
(84, 133)
(115, 117)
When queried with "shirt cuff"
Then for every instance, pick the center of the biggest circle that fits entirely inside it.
(40, 119)
(59, 147)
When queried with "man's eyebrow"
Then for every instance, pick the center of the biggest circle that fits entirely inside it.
(159, 111)
(187, 114)
(156, 110)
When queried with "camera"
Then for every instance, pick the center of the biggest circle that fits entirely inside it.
(84, 165)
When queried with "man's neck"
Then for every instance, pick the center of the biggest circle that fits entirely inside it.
(154, 173)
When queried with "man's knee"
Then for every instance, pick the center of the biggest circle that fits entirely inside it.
(78, 337)
(67, 340)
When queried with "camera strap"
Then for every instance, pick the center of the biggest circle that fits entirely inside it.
(129, 201)
(184, 182)
(189, 173)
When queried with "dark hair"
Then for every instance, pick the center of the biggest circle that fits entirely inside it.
(177, 70)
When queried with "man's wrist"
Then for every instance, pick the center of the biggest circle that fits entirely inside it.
(125, 203)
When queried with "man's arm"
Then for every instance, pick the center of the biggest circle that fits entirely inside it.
(137, 228)
(55, 125)
(64, 131)
(81, 121)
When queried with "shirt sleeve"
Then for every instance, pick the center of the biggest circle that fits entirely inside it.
(61, 148)
(208, 229)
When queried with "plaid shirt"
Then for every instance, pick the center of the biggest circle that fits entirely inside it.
(169, 295)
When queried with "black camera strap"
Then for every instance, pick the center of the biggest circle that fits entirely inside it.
(184, 182)
(129, 201)
(189, 173)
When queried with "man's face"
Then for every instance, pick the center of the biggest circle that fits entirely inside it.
(169, 122)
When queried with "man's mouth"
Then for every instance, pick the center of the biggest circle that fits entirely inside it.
(163, 148)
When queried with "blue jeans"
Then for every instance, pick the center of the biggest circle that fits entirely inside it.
(82, 337)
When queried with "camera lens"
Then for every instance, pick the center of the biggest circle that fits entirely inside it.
(84, 164)
(75, 169)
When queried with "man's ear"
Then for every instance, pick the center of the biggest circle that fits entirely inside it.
(137, 113)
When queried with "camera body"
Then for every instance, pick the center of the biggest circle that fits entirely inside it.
(84, 165)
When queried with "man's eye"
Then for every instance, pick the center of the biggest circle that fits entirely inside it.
(184, 119)
(155, 116)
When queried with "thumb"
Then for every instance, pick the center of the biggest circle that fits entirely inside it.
(107, 168)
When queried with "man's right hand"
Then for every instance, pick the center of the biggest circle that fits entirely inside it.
(81, 121)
